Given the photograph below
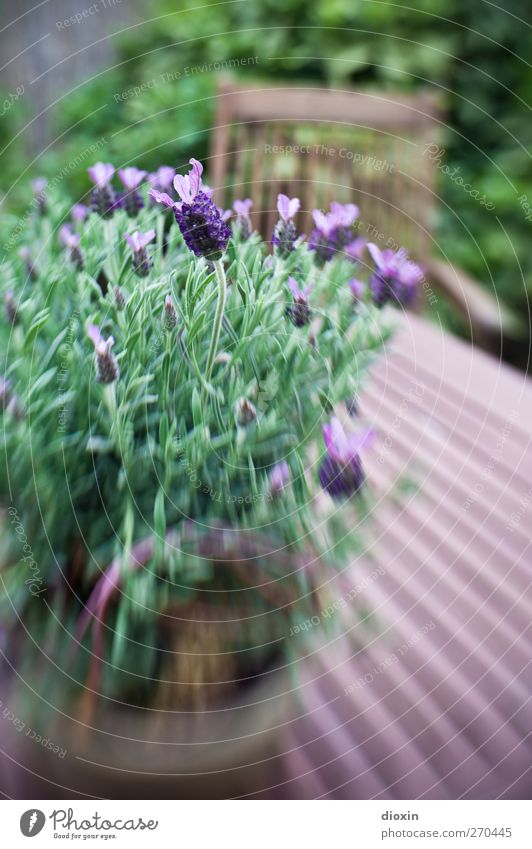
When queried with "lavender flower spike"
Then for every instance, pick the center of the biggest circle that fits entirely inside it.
(199, 219)
(131, 178)
(106, 366)
(142, 263)
(242, 208)
(285, 233)
(299, 311)
(341, 473)
(395, 277)
(333, 231)
(103, 196)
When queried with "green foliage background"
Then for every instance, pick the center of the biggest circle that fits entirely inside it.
(474, 53)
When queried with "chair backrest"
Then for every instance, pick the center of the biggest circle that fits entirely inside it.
(319, 144)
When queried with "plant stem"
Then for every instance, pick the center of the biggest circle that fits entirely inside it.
(218, 318)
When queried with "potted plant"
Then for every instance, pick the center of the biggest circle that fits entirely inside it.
(172, 398)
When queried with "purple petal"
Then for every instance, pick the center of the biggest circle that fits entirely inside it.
(147, 237)
(344, 213)
(94, 334)
(133, 241)
(139, 240)
(336, 441)
(242, 207)
(287, 207)
(356, 248)
(183, 188)
(163, 178)
(39, 184)
(195, 175)
(323, 222)
(279, 476)
(410, 273)
(101, 173)
(64, 235)
(131, 178)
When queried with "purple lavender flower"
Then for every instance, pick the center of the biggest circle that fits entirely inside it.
(131, 178)
(333, 231)
(341, 473)
(299, 311)
(39, 185)
(169, 314)
(27, 258)
(242, 208)
(395, 278)
(103, 198)
(279, 477)
(71, 241)
(11, 307)
(106, 365)
(79, 212)
(142, 263)
(285, 233)
(199, 219)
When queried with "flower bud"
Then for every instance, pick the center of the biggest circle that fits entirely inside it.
(120, 300)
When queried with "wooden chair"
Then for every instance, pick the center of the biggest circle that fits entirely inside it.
(366, 147)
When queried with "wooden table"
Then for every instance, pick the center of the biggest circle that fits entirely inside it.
(426, 692)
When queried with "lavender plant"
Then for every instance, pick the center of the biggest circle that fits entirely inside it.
(166, 379)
